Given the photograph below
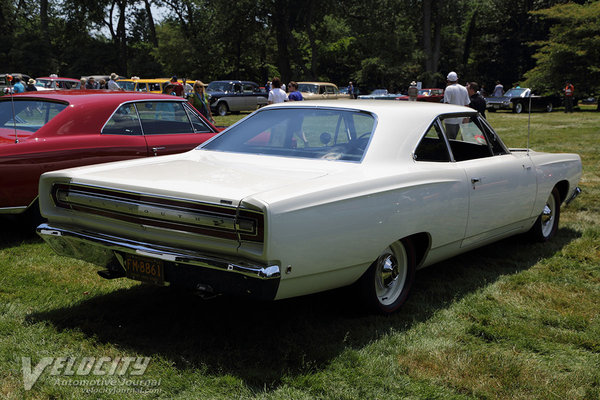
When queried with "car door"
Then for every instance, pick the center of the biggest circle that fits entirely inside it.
(502, 185)
(171, 126)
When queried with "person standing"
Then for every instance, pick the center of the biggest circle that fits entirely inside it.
(18, 86)
(30, 85)
(199, 99)
(175, 87)
(351, 90)
(498, 90)
(413, 91)
(276, 95)
(569, 93)
(477, 101)
(91, 83)
(455, 93)
(112, 82)
(294, 95)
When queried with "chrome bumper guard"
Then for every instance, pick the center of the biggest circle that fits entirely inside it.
(102, 250)
(576, 193)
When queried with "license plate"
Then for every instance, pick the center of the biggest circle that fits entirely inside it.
(144, 269)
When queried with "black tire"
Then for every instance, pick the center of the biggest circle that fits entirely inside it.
(546, 224)
(222, 109)
(518, 108)
(387, 283)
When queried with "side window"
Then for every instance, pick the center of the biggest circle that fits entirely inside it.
(123, 122)
(248, 89)
(432, 146)
(321, 89)
(467, 139)
(197, 123)
(155, 87)
(141, 87)
(163, 117)
(237, 88)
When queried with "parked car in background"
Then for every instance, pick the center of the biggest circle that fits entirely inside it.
(320, 91)
(55, 82)
(4, 83)
(302, 197)
(430, 95)
(379, 94)
(59, 129)
(518, 100)
(155, 85)
(235, 96)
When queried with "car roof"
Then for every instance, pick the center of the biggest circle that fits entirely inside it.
(317, 83)
(404, 122)
(89, 96)
(58, 78)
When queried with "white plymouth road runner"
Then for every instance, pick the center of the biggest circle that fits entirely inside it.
(303, 197)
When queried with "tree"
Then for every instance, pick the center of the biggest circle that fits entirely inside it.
(572, 51)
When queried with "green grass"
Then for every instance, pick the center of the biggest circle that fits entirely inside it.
(512, 320)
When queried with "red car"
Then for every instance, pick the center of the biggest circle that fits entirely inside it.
(50, 130)
(430, 95)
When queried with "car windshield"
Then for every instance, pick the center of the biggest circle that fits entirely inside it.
(126, 85)
(379, 92)
(329, 134)
(29, 115)
(515, 92)
(308, 88)
(218, 87)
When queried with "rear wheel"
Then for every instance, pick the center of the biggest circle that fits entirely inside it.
(546, 224)
(518, 108)
(386, 284)
(222, 109)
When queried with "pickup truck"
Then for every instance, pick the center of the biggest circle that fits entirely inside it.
(234, 96)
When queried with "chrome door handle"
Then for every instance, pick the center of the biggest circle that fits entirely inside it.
(475, 180)
(156, 149)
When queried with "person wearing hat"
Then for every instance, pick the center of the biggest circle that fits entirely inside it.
(200, 100)
(30, 85)
(112, 82)
(174, 87)
(413, 91)
(455, 93)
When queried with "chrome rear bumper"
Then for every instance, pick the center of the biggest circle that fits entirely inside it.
(185, 267)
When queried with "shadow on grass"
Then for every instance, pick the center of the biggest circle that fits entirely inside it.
(15, 230)
(260, 342)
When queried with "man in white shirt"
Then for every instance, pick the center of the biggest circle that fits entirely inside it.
(112, 83)
(455, 93)
(276, 95)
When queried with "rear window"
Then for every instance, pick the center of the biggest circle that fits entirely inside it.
(29, 115)
(328, 134)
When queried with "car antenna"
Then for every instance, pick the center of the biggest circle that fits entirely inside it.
(9, 78)
(529, 124)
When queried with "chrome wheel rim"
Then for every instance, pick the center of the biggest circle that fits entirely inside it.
(548, 216)
(390, 274)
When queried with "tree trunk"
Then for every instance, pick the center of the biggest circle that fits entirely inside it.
(282, 34)
(153, 37)
(122, 38)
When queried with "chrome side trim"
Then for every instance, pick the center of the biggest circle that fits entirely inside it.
(100, 249)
